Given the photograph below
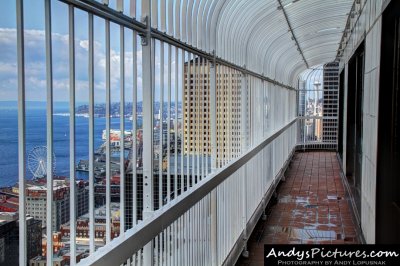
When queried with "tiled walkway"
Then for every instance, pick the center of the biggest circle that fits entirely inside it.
(312, 208)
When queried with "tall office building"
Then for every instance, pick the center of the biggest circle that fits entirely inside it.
(197, 115)
(9, 235)
(330, 102)
(36, 203)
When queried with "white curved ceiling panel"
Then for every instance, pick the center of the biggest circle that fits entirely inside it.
(276, 38)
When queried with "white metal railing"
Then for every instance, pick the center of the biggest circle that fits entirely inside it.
(188, 193)
(181, 232)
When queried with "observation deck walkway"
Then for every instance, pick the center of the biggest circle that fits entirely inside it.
(312, 207)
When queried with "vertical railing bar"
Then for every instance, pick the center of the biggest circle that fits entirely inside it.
(171, 235)
(213, 136)
(243, 113)
(162, 15)
(199, 117)
(219, 93)
(120, 6)
(154, 13)
(21, 133)
(169, 245)
(108, 122)
(91, 136)
(122, 128)
(162, 252)
(189, 236)
(174, 242)
(160, 132)
(166, 246)
(220, 121)
(176, 124)
(72, 205)
(157, 250)
(203, 132)
(187, 239)
(134, 129)
(201, 231)
(207, 225)
(230, 117)
(170, 20)
(191, 233)
(208, 124)
(168, 128)
(188, 142)
(183, 113)
(132, 8)
(194, 235)
(49, 123)
(181, 245)
(193, 136)
(198, 236)
(224, 123)
(183, 239)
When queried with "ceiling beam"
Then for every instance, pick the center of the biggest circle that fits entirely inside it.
(291, 30)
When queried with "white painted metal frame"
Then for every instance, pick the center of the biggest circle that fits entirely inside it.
(21, 132)
(49, 135)
(91, 134)
(72, 178)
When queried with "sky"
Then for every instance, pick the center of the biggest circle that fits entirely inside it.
(35, 54)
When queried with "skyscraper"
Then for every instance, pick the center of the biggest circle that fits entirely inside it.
(197, 115)
(330, 102)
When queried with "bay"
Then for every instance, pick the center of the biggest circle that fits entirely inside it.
(36, 136)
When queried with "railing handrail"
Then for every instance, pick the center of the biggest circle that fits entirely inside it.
(122, 247)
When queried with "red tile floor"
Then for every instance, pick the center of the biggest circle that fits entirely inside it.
(312, 208)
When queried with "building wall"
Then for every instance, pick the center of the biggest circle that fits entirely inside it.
(36, 205)
(9, 241)
(367, 27)
(196, 110)
(330, 103)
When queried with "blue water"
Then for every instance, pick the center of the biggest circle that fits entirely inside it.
(36, 136)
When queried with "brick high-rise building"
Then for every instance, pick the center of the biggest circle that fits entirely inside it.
(330, 102)
(197, 115)
(36, 202)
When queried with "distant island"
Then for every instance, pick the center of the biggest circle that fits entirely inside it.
(100, 109)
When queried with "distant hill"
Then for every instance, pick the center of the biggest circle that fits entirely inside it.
(100, 109)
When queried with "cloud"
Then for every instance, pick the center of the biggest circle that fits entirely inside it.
(35, 67)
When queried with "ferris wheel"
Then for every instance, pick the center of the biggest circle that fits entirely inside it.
(37, 162)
